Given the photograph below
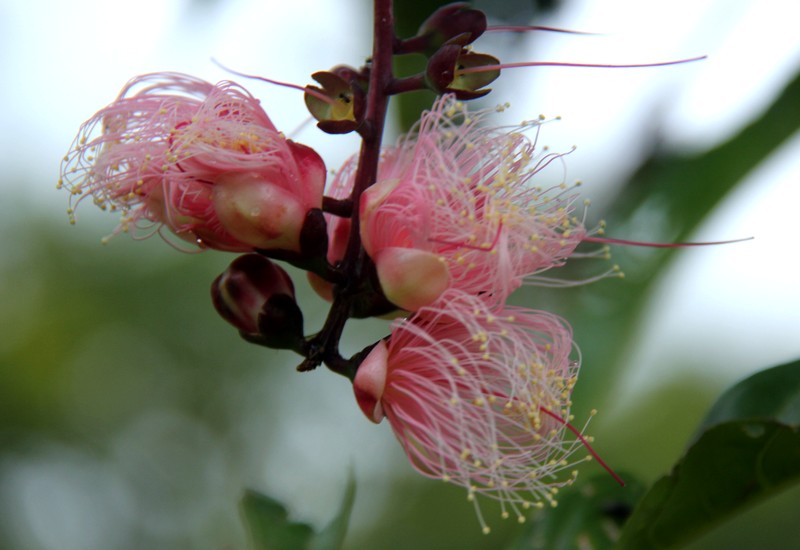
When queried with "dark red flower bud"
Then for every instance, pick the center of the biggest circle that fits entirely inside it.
(257, 296)
(456, 23)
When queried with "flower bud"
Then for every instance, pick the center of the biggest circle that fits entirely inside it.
(455, 23)
(256, 296)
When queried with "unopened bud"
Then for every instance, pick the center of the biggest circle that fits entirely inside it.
(455, 23)
(256, 296)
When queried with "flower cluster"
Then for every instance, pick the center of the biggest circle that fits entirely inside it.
(477, 391)
(442, 226)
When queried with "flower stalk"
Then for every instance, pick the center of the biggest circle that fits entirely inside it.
(324, 346)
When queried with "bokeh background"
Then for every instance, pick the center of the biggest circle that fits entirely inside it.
(131, 416)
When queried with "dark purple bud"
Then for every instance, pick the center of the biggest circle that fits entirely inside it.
(456, 23)
(242, 291)
(281, 323)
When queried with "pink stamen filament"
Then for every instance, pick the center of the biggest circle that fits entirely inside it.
(501, 66)
(482, 248)
(525, 28)
(584, 442)
(307, 89)
(606, 240)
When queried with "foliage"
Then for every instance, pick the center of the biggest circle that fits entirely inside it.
(747, 449)
(270, 528)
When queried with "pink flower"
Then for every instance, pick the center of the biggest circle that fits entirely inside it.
(479, 397)
(203, 160)
(456, 206)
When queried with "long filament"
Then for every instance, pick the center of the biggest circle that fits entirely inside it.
(585, 443)
(501, 66)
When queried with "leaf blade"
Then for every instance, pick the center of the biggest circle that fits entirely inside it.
(332, 536)
(268, 524)
(748, 450)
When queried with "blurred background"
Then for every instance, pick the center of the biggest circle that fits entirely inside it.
(131, 416)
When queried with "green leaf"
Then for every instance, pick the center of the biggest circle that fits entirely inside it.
(589, 517)
(332, 536)
(731, 466)
(270, 529)
(749, 451)
(269, 525)
(773, 393)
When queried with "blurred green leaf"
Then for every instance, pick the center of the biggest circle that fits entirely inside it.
(269, 525)
(589, 517)
(332, 536)
(749, 451)
(731, 466)
(773, 393)
(270, 528)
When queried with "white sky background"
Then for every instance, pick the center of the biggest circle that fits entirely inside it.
(736, 306)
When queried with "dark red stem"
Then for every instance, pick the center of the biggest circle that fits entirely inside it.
(324, 346)
(337, 207)
(408, 84)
